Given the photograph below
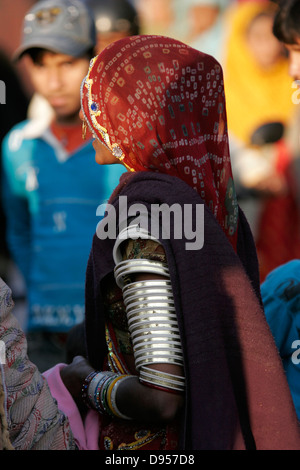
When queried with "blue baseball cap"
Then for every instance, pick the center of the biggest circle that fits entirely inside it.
(62, 26)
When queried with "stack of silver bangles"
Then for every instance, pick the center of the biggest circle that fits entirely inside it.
(152, 322)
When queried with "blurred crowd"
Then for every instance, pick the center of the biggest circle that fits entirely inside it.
(262, 116)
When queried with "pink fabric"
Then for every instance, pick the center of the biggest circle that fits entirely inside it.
(85, 433)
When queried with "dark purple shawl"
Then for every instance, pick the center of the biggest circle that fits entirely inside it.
(237, 396)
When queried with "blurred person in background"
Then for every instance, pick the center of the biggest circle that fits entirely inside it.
(156, 16)
(198, 23)
(202, 24)
(281, 288)
(13, 109)
(260, 109)
(114, 19)
(52, 185)
(287, 31)
(207, 26)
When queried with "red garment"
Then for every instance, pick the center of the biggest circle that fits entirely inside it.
(70, 136)
(168, 116)
(278, 239)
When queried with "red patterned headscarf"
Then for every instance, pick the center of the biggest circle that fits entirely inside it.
(159, 105)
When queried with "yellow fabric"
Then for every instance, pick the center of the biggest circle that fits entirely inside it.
(254, 96)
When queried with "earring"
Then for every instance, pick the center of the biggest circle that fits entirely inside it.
(83, 130)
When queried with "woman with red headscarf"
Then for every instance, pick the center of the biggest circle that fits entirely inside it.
(178, 352)
(174, 330)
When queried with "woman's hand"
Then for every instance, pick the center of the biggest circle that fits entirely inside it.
(134, 399)
(73, 376)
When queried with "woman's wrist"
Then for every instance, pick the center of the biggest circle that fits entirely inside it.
(99, 391)
(74, 375)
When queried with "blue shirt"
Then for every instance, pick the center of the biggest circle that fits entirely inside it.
(50, 200)
(281, 297)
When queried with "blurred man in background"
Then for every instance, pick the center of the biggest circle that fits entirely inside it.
(52, 185)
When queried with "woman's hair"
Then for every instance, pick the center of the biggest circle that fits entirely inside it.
(36, 54)
(287, 21)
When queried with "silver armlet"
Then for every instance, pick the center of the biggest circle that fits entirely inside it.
(152, 321)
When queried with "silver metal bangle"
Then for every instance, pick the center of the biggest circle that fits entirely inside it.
(138, 290)
(133, 266)
(152, 320)
(163, 379)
